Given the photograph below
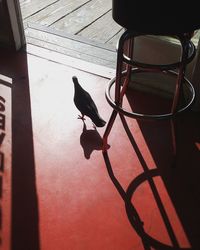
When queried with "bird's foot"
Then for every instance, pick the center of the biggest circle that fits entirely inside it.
(81, 117)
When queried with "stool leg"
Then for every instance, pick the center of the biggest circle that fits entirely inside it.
(118, 98)
(128, 69)
(108, 129)
(177, 95)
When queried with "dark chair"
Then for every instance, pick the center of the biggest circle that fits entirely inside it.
(141, 19)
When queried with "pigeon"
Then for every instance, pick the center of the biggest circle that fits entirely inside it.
(85, 104)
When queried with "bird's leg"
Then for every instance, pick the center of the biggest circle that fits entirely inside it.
(94, 126)
(84, 127)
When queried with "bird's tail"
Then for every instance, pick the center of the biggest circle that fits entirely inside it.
(99, 122)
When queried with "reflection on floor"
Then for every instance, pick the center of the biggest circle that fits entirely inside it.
(58, 191)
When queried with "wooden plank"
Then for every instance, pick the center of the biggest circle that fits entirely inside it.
(113, 41)
(81, 39)
(105, 26)
(28, 8)
(21, 2)
(79, 19)
(55, 12)
(69, 52)
(69, 43)
(71, 47)
(95, 69)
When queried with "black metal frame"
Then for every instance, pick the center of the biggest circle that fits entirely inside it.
(188, 51)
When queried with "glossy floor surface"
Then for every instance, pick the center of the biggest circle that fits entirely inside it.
(59, 192)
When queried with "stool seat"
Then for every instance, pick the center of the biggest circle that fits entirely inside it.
(156, 18)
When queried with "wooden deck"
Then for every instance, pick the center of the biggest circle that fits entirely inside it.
(80, 28)
(91, 19)
(83, 29)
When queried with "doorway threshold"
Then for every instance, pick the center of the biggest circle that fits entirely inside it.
(71, 45)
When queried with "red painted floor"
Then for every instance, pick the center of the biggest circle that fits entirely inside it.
(59, 192)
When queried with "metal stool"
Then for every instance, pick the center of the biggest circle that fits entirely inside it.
(122, 16)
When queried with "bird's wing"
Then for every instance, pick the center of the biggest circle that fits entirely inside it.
(89, 103)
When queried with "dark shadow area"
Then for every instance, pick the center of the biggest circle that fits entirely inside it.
(133, 216)
(2, 156)
(181, 182)
(90, 140)
(24, 200)
(132, 213)
(1, 209)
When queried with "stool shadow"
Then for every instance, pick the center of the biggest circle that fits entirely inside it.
(181, 182)
(132, 214)
(136, 222)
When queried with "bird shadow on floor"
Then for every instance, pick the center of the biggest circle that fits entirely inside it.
(90, 140)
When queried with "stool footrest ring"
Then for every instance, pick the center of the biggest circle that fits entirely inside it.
(136, 115)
